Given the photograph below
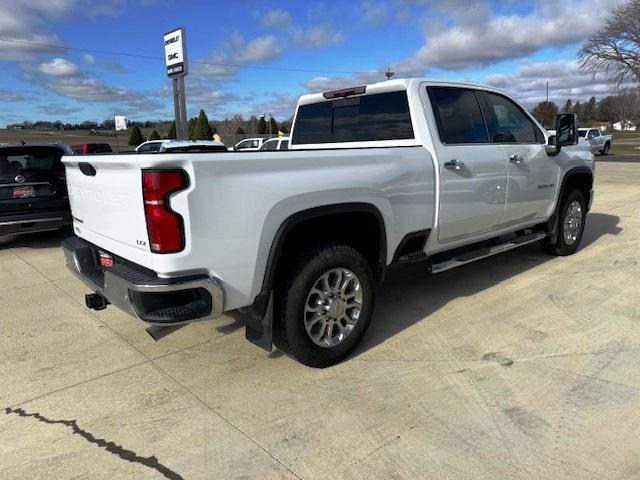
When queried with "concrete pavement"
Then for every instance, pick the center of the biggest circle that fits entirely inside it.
(519, 366)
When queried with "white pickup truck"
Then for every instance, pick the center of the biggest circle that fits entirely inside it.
(598, 142)
(379, 175)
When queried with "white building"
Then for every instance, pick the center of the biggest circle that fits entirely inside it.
(625, 125)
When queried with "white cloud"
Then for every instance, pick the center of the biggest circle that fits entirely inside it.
(223, 65)
(26, 23)
(318, 36)
(88, 90)
(323, 84)
(59, 67)
(258, 50)
(58, 109)
(566, 80)
(282, 106)
(467, 39)
(10, 96)
(276, 18)
(373, 13)
(89, 59)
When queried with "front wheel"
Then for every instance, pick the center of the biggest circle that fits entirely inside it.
(573, 213)
(323, 305)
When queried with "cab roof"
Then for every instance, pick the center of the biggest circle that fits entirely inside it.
(388, 86)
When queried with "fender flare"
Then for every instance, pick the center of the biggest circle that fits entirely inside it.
(552, 223)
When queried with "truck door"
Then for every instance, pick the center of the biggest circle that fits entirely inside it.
(473, 171)
(596, 140)
(531, 173)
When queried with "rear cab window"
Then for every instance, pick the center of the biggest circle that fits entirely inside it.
(364, 118)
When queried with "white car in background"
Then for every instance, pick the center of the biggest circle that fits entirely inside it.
(150, 146)
(280, 143)
(193, 146)
(249, 144)
(168, 146)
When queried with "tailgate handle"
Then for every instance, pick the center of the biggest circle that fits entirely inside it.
(87, 169)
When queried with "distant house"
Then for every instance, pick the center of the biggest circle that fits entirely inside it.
(624, 125)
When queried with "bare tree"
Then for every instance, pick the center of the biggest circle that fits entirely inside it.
(615, 50)
(545, 113)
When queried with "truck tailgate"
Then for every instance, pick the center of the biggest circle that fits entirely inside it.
(105, 192)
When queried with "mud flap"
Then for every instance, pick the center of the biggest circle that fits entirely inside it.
(259, 330)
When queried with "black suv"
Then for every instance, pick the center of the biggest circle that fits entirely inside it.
(33, 190)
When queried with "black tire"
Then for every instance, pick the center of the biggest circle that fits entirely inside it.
(561, 247)
(605, 150)
(292, 290)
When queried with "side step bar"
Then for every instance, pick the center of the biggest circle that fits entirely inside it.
(486, 252)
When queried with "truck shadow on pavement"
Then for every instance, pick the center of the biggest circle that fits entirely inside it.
(411, 294)
(111, 447)
(51, 239)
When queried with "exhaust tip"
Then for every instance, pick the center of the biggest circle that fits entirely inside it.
(95, 301)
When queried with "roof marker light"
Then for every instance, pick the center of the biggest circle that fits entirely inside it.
(345, 92)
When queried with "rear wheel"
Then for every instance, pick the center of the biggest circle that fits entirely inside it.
(573, 212)
(323, 305)
(605, 150)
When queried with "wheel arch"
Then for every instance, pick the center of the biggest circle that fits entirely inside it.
(576, 177)
(291, 227)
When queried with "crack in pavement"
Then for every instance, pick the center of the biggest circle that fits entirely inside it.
(111, 447)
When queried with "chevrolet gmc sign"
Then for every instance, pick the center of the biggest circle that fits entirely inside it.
(175, 52)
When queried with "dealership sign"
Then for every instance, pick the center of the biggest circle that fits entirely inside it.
(175, 52)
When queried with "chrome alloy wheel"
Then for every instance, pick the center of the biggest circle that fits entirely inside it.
(572, 223)
(333, 307)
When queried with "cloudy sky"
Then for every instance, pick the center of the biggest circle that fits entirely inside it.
(58, 59)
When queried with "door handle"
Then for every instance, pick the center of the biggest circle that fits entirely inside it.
(516, 159)
(454, 165)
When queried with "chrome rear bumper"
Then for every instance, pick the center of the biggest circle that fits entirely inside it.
(138, 291)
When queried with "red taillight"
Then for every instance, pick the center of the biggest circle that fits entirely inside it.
(164, 226)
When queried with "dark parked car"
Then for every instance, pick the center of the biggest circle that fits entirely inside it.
(89, 148)
(33, 190)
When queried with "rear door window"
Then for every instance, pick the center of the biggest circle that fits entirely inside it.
(458, 115)
(270, 145)
(381, 116)
(284, 145)
(150, 147)
(507, 122)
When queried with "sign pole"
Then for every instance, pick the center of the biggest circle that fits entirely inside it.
(183, 108)
(176, 108)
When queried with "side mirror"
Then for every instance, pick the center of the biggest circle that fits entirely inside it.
(566, 127)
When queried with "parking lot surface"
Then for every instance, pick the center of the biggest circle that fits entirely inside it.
(523, 365)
